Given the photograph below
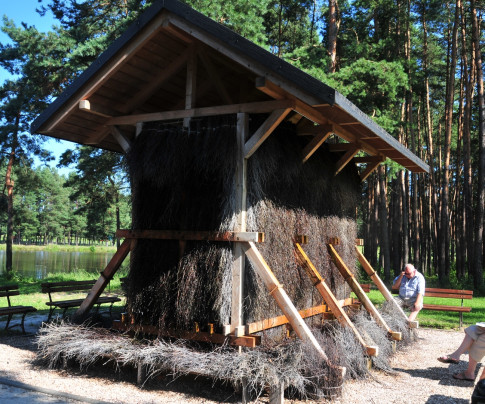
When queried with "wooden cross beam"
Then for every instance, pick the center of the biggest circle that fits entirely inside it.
(355, 286)
(330, 299)
(233, 236)
(316, 142)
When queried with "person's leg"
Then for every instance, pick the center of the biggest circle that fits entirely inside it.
(464, 346)
(470, 370)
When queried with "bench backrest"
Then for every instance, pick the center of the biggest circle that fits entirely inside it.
(67, 286)
(9, 290)
(449, 293)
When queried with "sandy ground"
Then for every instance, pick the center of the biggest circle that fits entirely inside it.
(418, 378)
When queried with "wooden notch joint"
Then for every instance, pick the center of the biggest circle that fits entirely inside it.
(333, 241)
(300, 239)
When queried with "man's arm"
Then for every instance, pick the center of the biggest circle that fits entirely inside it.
(397, 282)
(418, 304)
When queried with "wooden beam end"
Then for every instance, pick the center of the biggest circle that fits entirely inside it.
(372, 350)
(301, 239)
(359, 242)
(333, 241)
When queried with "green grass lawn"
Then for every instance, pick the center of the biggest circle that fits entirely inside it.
(30, 295)
(443, 319)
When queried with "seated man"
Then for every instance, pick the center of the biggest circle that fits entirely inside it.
(411, 286)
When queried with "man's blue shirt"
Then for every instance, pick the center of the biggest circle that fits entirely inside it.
(409, 288)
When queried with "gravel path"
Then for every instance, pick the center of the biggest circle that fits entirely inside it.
(418, 378)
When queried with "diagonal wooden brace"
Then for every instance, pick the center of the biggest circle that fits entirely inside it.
(282, 299)
(355, 286)
(330, 299)
(382, 287)
(103, 280)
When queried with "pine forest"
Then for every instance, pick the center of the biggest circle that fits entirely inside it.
(415, 67)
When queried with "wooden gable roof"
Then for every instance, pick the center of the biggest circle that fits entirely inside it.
(175, 63)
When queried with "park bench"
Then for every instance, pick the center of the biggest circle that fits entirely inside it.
(441, 293)
(53, 288)
(8, 291)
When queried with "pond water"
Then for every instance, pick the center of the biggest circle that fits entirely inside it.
(38, 264)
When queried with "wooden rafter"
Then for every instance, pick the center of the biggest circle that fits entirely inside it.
(330, 299)
(382, 287)
(316, 142)
(215, 77)
(266, 129)
(355, 286)
(251, 107)
(233, 236)
(346, 158)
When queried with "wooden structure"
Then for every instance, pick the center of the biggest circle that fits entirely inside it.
(175, 64)
(10, 310)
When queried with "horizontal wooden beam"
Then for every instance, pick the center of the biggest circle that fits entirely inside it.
(251, 107)
(249, 341)
(242, 236)
(268, 323)
(85, 105)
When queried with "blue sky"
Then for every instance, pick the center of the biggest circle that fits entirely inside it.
(24, 11)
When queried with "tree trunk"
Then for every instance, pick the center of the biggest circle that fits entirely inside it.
(333, 27)
(478, 271)
(383, 225)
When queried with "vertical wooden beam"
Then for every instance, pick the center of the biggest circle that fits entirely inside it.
(102, 281)
(276, 290)
(330, 299)
(237, 314)
(382, 287)
(355, 286)
(191, 85)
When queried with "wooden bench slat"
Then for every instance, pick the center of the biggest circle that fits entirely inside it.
(438, 290)
(448, 295)
(438, 307)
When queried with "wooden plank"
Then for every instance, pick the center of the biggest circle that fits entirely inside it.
(369, 170)
(239, 263)
(249, 341)
(448, 295)
(460, 291)
(438, 307)
(266, 129)
(85, 105)
(346, 158)
(190, 86)
(123, 141)
(316, 142)
(330, 299)
(382, 287)
(355, 286)
(255, 237)
(276, 290)
(214, 76)
(251, 107)
(278, 321)
(103, 280)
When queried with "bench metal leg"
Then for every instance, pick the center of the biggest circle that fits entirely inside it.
(8, 321)
(51, 312)
(22, 323)
(461, 319)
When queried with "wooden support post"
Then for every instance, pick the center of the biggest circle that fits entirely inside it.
(190, 85)
(382, 287)
(102, 281)
(276, 290)
(330, 299)
(141, 374)
(237, 313)
(277, 393)
(355, 286)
